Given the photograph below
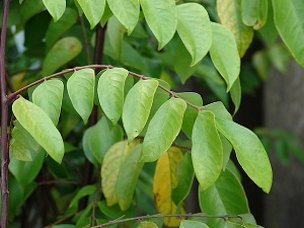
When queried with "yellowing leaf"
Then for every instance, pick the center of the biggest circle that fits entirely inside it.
(229, 12)
(165, 180)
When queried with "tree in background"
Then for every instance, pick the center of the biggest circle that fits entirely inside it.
(105, 137)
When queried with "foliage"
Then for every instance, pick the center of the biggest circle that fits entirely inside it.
(103, 127)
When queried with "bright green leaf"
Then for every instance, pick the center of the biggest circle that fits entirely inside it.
(250, 152)
(193, 27)
(191, 113)
(55, 7)
(81, 91)
(288, 18)
(40, 126)
(226, 196)
(163, 129)
(48, 96)
(219, 110)
(236, 94)
(254, 12)
(61, 53)
(127, 12)
(137, 107)
(111, 92)
(161, 17)
(22, 144)
(207, 150)
(192, 224)
(93, 10)
(224, 54)
(229, 12)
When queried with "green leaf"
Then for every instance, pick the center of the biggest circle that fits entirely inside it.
(102, 137)
(226, 196)
(85, 145)
(288, 18)
(22, 144)
(250, 152)
(224, 54)
(229, 12)
(26, 172)
(192, 224)
(114, 38)
(111, 92)
(61, 53)
(56, 29)
(48, 96)
(191, 113)
(81, 91)
(207, 150)
(254, 12)
(84, 191)
(219, 110)
(127, 12)
(156, 13)
(236, 94)
(119, 172)
(185, 176)
(55, 7)
(193, 27)
(137, 107)
(40, 126)
(147, 225)
(163, 129)
(93, 10)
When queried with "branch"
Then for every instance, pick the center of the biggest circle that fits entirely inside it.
(14, 95)
(181, 216)
(4, 119)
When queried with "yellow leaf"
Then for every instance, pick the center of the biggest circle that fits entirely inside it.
(165, 180)
(229, 12)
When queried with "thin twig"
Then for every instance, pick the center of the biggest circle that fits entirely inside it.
(50, 182)
(13, 96)
(185, 216)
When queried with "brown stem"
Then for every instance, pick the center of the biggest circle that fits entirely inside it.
(181, 216)
(4, 119)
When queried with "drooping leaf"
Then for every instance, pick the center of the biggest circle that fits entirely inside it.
(103, 135)
(56, 29)
(22, 144)
(250, 152)
(137, 107)
(207, 150)
(84, 191)
(48, 96)
(229, 12)
(85, 145)
(127, 12)
(81, 91)
(111, 92)
(219, 110)
(147, 225)
(114, 38)
(226, 196)
(185, 177)
(192, 224)
(163, 129)
(93, 10)
(288, 18)
(224, 54)
(164, 182)
(119, 172)
(254, 12)
(55, 7)
(191, 113)
(193, 27)
(40, 126)
(26, 171)
(156, 13)
(236, 94)
(61, 53)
